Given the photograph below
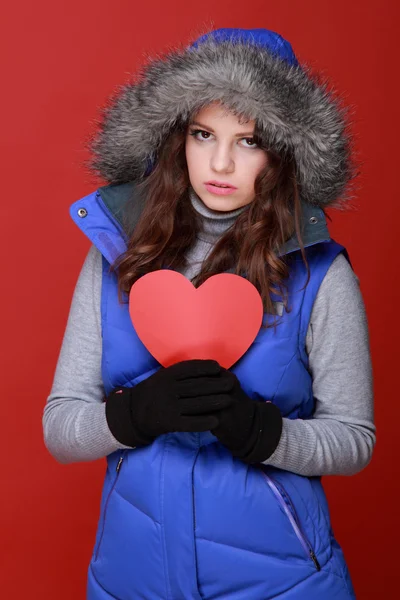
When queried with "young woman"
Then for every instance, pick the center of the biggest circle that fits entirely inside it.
(221, 157)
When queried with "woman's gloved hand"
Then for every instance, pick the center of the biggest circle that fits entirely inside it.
(250, 429)
(183, 397)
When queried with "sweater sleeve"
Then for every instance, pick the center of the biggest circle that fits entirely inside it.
(74, 422)
(340, 438)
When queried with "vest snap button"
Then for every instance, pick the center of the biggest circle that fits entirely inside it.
(313, 220)
(82, 212)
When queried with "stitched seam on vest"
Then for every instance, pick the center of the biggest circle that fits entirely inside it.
(339, 565)
(303, 327)
(321, 508)
(304, 357)
(277, 557)
(136, 507)
(103, 313)
(267, 555)
(306, 565)
(165, 561)
(295, 586)
(193, 537)
(100, 585)
(283, 373)
(301, 336)
(340, 577)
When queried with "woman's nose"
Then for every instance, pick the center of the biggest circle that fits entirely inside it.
(222, 161)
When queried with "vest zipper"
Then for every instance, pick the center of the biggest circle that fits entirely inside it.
(285, 502)
(117, 468)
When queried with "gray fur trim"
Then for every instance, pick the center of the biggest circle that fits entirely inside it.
(294, 109)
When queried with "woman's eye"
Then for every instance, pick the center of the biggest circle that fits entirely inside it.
(195, 133)
(250, 143)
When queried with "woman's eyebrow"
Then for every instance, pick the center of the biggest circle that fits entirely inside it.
(242, 134)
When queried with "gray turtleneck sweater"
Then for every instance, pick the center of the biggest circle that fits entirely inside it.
(338, 440)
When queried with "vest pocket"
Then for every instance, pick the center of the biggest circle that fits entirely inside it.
(287, 505)
(117, 469)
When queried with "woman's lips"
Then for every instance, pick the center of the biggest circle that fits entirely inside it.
(219, 191)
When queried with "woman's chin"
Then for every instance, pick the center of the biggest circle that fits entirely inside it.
(220, 204)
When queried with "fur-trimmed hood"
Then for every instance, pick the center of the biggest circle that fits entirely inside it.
(294, 110)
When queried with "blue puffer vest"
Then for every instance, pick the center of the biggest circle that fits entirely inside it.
(182, 519)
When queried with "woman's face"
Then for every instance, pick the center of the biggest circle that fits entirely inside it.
(219, 149)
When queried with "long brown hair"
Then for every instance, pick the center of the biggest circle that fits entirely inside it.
(168, 226)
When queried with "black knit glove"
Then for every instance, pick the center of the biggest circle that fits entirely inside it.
(183, 397)
(250, 429)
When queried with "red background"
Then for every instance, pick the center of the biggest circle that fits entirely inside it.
(60, 60)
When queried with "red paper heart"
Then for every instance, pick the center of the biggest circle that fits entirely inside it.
(175, 321)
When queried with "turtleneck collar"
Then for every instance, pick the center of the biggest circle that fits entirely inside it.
(214, 222)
